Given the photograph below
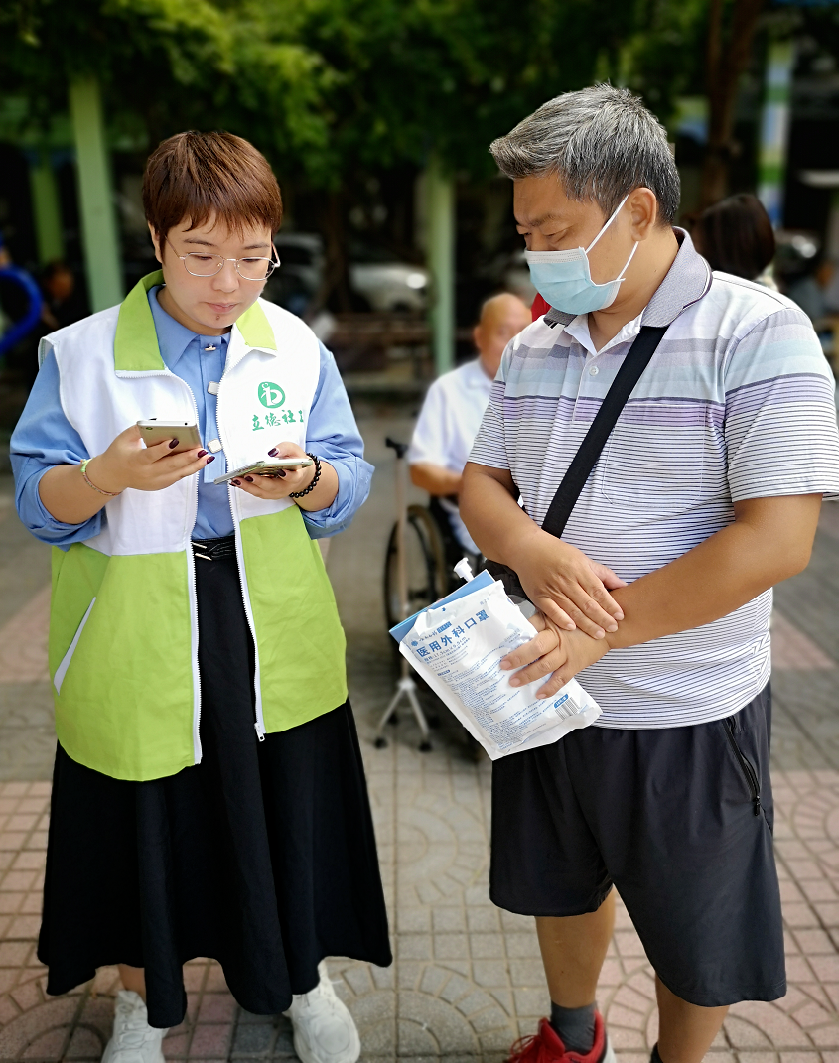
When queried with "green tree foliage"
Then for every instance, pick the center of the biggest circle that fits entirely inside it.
(448, 75)
(165, 65)
(697, 47)
(339, 93)
(664, 57)
(330, 86)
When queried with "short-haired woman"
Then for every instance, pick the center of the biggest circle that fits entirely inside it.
(735, 236)
(209, 797)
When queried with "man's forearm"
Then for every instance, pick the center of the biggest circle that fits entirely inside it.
(769, 542)
(436, 479)
(491, 513)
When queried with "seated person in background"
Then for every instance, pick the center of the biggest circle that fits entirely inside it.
(452, 413)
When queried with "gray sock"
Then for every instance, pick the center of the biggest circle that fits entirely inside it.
(575, 1027)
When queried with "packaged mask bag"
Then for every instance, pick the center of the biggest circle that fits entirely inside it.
(456, 646)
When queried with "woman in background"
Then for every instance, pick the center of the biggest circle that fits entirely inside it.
(735, 236)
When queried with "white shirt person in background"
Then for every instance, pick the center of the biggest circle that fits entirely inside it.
(454, 408)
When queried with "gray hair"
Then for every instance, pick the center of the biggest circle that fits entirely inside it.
(601, 142)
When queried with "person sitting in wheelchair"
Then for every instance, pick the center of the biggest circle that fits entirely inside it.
(451, 416)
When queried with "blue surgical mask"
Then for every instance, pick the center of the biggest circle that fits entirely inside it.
(563, 278)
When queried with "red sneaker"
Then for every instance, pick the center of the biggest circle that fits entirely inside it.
(546, 1046)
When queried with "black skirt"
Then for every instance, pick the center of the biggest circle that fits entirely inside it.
(261, 857)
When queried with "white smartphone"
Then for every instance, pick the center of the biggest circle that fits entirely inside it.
(154, 431)
(265, 468)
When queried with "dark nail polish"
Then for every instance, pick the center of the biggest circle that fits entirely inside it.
(203, 453)
(174, 443)
(236, 483)
(210, 459)
(281, 472)
(249, 479)
(272, 453)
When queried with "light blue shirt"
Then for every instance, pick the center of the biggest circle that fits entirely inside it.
(44, 438)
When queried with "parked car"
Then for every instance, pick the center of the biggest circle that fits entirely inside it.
(298, 279)
(301, 255)
(385, 284)
(388, 285)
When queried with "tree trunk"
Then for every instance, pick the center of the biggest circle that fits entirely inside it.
(725, 64)
(335, 286)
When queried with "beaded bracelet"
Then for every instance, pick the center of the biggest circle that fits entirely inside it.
(89, 482)
(313, 484)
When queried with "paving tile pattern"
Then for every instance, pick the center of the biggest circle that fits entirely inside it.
(27, 736)
(467, 978)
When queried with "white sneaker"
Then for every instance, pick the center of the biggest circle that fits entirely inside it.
(133, 1040)
(323, 1028)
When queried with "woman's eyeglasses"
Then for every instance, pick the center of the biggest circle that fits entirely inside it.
(201, 264)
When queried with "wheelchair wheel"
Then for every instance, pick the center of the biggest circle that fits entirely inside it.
(425, 564)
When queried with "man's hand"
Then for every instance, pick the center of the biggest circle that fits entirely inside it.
(560, 580)
(555, 652)
(567, 587)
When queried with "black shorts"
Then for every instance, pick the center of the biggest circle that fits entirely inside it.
(679, 820)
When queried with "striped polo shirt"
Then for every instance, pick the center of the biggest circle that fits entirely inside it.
(737, 402)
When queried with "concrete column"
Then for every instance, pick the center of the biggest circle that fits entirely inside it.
(774, 131)
(440, 201)
(96, 206)
(46, 206)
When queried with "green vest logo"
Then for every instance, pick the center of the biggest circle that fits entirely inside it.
(270, 395)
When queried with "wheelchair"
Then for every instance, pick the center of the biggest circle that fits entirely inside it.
(427, 568)
(431, 552)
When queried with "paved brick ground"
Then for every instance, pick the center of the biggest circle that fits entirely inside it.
(467, 977)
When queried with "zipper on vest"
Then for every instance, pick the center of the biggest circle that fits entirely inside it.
(752, 780)
(259, 723)
(197, 748)
(190, 560)
(199, 751)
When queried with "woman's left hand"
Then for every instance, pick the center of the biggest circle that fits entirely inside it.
(553, 650)
(282, 485)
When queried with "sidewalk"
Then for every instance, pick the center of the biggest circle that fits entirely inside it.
(467, 978)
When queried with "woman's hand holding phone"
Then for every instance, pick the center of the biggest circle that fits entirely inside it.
(282, 484)
(128, 463)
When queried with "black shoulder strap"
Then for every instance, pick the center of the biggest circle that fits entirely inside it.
(574, 480)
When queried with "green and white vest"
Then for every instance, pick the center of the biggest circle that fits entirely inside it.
(123, 646)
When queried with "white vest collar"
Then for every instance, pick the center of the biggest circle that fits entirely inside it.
(136, 349)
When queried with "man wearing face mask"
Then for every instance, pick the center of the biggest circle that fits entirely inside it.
(692, 499)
